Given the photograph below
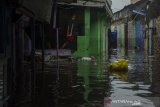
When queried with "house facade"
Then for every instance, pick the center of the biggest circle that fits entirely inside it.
(33, 24)
(131, 26)
(95, 20)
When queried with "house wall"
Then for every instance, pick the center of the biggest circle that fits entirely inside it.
(106, 26)
(83, 41)
(130, 35)
(120, 36)
(156, 35)
(5, 52)
(157, 39)
(15, 70)
(94, 37)
(100, 31)
(140, 35)
(94, 42)
(151, 37)
(134, 33)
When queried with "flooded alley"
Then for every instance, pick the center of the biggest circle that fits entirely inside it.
(79, 53)
(88, 83)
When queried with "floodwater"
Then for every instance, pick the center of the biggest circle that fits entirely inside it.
(91, 84)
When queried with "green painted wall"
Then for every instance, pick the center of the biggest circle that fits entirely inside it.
(83, 41)
(94, 36)
(95, 40)
(99, 38)
(105, 25)
(103, 37)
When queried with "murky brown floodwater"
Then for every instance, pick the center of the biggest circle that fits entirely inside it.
(86, 84)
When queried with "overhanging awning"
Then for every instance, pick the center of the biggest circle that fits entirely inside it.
(91, 3)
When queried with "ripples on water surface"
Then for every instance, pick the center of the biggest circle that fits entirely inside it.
(86, 84)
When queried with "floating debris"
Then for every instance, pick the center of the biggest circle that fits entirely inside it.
(119, 65)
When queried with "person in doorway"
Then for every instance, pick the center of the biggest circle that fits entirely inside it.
(72, 33)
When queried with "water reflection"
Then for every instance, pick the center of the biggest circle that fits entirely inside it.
(96, 83)
(81, 84)
(86, 84)
(140, 81)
